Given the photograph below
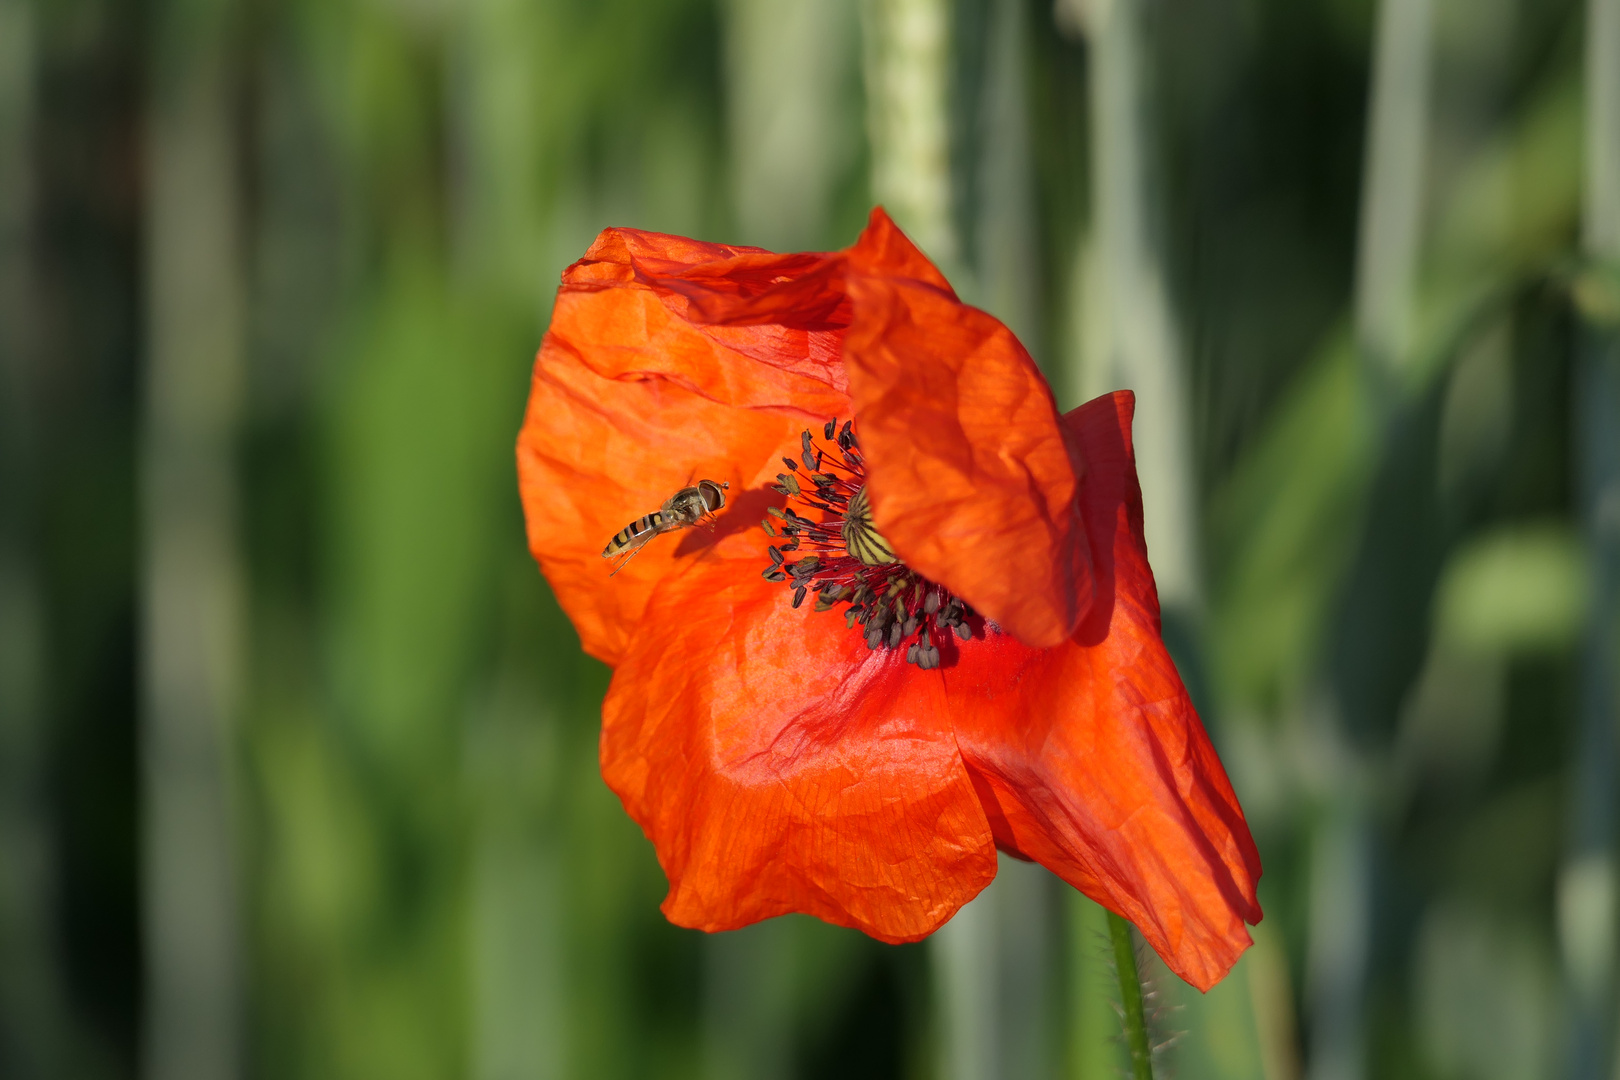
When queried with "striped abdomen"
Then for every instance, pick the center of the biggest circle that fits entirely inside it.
(639, 530)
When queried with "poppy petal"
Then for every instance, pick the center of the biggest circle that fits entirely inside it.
(630, 401)
(1091, 759)
(971, 479)
(778, 765)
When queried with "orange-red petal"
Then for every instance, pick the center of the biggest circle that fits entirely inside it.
(778, 765)
(970, 476)
(1090, 757)
(630, 401)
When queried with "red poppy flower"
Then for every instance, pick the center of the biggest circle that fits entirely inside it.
(981, 667)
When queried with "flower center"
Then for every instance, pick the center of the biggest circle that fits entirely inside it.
(861, 538)
(847, 561)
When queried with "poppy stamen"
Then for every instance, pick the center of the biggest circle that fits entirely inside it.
(848, 560)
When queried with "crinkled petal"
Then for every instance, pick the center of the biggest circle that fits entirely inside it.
(970, 476)
(1090, 757)
(777, 765)
(631, 401)
(634, 304)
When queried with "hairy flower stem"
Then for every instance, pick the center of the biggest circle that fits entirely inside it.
(1130, 995)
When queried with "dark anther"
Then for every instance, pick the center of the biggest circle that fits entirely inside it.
(889, 602)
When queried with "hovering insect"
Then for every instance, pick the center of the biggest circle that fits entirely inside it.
(687, 507)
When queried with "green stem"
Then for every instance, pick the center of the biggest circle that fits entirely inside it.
(1130, 994)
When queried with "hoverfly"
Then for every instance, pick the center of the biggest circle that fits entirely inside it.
(687, 507)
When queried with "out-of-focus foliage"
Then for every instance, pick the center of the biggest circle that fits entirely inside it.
(432, 879)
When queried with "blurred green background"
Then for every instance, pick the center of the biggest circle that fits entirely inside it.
(297, 753)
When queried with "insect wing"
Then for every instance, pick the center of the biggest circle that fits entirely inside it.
(633, 537)
(628, 550)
